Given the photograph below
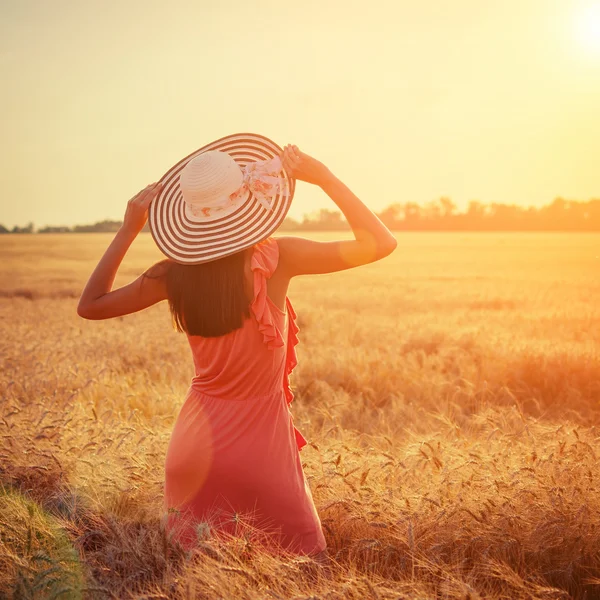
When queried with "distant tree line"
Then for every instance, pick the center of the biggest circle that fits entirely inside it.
(101, 226)
(437, 215)
(442, 215)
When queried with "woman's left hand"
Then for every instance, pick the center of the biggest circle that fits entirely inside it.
(136, 214)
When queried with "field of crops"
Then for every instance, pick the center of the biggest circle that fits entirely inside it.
(450, 394)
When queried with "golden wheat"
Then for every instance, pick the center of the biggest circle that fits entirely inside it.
(450, 395)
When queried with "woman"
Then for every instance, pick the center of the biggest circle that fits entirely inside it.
(233, 462)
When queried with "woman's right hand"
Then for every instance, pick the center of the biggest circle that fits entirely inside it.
(300, 165)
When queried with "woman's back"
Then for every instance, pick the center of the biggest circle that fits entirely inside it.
(234, 448)
(251, 361)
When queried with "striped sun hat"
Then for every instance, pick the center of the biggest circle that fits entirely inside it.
(221, 199)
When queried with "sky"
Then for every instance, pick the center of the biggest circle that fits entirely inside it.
(489, 100)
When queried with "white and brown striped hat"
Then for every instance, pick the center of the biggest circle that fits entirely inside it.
(221, 199)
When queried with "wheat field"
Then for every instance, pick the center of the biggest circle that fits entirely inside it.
(450, 394)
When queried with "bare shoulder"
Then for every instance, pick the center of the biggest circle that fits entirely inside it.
(291, 248)
(155, 277)
(291, 245)
(159, 269)
(288, 244)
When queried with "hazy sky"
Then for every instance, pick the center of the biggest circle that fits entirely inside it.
(494, 100)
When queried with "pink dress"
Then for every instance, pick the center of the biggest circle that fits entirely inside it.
(233, 462)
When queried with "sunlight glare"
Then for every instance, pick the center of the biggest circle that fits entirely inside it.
(588, 29)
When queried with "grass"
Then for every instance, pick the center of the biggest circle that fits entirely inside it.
(450, 394)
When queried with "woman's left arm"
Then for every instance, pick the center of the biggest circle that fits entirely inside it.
(97, 300)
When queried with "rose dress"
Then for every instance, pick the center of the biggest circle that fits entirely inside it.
(233, 461)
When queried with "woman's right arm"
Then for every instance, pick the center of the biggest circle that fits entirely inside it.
(372, 239)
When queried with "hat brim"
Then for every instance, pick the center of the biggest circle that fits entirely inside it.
(193, 242)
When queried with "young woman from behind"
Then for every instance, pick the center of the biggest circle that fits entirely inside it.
(233, 462)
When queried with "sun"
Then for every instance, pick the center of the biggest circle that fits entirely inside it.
(588, 28)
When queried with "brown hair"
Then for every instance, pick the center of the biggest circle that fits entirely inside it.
(209, 299)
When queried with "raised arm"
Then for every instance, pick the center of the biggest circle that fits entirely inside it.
(372, 239)
(98, 300)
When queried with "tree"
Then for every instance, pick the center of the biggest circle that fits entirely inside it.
(412, 212)
(448, 207)
(29, 228)
(392, 215)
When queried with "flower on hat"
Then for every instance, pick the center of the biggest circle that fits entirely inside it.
(261, 178)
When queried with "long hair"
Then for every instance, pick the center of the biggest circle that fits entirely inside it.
(209, 299)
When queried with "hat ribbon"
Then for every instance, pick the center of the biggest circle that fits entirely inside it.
(262, 179)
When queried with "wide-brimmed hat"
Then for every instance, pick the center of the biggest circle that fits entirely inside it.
(221, 199)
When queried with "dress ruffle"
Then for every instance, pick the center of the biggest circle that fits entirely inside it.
(263, 264)
(291, 360)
